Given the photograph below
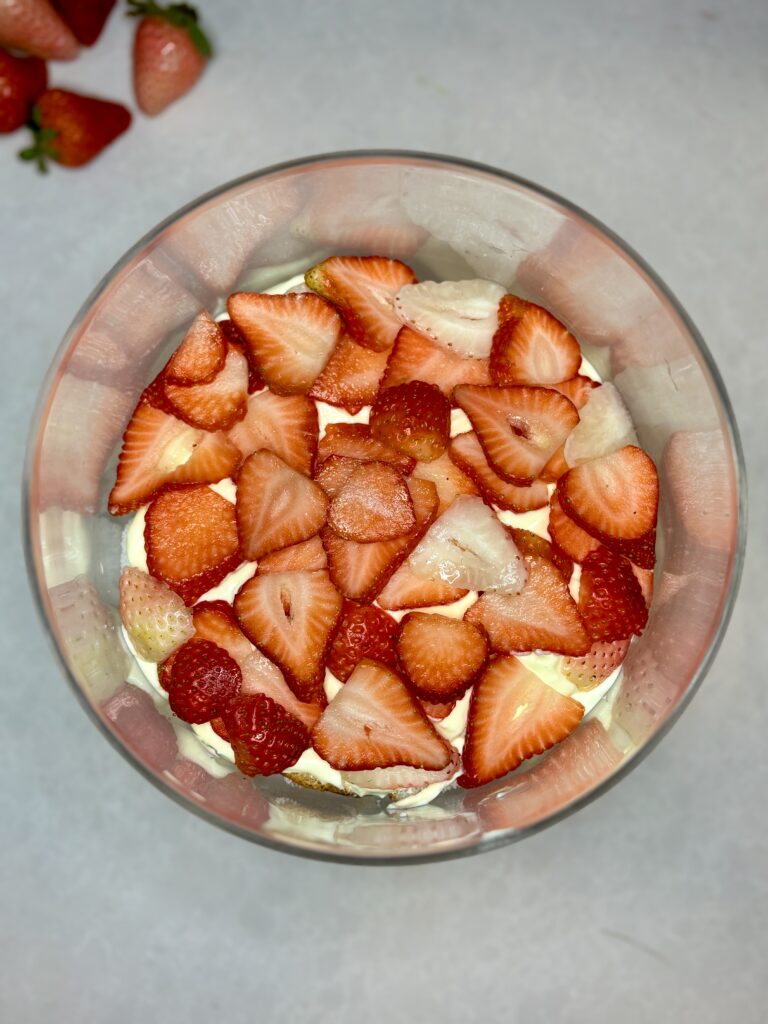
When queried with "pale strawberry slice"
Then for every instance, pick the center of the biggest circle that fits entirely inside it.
(611, 600)
(201, 354)
(416, 357)
(215, 621)
(468, 547)
(218, 404)
(467, 453)
(334, 472)
(529, 543)
(440, 657)
(351, 376)
(604, 426)
(191, 540)
(401, 778)
(213, 458)
(413, 418)
(449, 480)
(307, 556)
(276, 505)
(374, 504)
(578, 389)
(364, 631)
(290, 338)
(543, 617)
(234, 337)
(287, 425)
(361, 570)
(459, 315)
(155, 618)
(438, 710)
(363, 289)
(593, 668)
(354, 441)
(513, 715)
(407, 590)
(374, 722)
(290, 617)
(531, 346)
(518, 427)
(567, 535)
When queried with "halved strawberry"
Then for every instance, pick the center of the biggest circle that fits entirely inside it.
(459, 315)
(363, 632)
(374, 722)
(191, 540)
(234, 337)
(201, 354)
(543, 617)
(529, 543)
(513, 715)
(351, 376)
(154, 617)
(265, 737)
(531, 346)
(407, 590)
(578, 389)
(291, 616)
(354, 441)
(413, 418)
(307, 556)
(415, 357)
(218, 404)
(604, 426)
(567, 535)
(438, 710)
(467, 453)
(334, 472)
(441, 657)
(204, 679)
(363, 289)
(286, 424)
(449, 480)
(611, 600)
(215, 621)
(518, 427)
(593, 668)
(276, 505)
(290, 337)
(374, 504)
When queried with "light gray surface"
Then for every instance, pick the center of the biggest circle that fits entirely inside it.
(651, 904)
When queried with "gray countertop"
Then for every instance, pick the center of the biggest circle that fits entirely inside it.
(652, 903)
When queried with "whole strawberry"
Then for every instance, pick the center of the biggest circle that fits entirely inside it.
(170, 51)
(34, 26)
(22, 79)
(86, 18)
(72, 129)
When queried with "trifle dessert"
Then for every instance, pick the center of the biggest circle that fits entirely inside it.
(385, 536)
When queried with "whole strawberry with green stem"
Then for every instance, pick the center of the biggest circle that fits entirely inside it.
(170, 51)
(72, 129)
(22, 79)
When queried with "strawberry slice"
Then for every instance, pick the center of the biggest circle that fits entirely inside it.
(596, 665)
(334, 473)
(290, 337)
(307, 556)
(215, 621)
(529, 543)
(611, 600)
(351, 376)
(604, 426)
(361, 570)
(543, 617)
(260, 675)
(402, 779)
(461, 316)
(415, 357)
(213, 458)
(513, 715)
(645, 579)
(413, 418)
(407, 590)
(154, 617)
(519, 427)
(191, 540)
(363, 289)
(218, 404)
(363, 632)
(578, 389)
(438, 710)
(374, 722)
(290, 616)
(276, 505)
(234, 337)
(204, 679)
(467, 453)
(449, 480)
(566, 535)
(201, 354)
(265, 737)
(374, 504)
(441, 657)
(286, 425)
(354, 441)
(555, 467)
(531, 346)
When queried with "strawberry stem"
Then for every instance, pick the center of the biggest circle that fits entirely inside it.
(181, 15)
(42, 148)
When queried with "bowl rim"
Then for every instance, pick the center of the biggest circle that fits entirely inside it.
(413, 158)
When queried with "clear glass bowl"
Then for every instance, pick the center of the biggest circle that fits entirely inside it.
(448, 219)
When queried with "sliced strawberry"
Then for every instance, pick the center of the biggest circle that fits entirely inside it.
(201, 354)
(438, 711)
(593, 668)
(513, 715)
(567, 535)
(461, 316)
(153, 615)
(215, 621)
(415, 357)
(529, 543)
(291, 616)
(351, 376)
(307, 556)
(290, 337)
(604, 426)
(213, 458)
(191, 540)
(402, 778)
(611, 600)
(334, 472)
(164, 670)
(363, 632)
(287, 425)
(354, 441)
(578, 389)
(361, 570)
(265, 737)
(407, 590)
(276, 505)
(449, 480)
(374, 504)
(204, 679)
(531, 346)
(441, 657)
(413, 418)
(218, 404)
(260, 675)
(468, 547)
(467, 453)
(363, 289)
(519, 428)
(555, 467)
(234, 337)
(543, 617)
(374, 722)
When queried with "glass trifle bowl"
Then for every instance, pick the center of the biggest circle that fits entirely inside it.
(449, 220)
